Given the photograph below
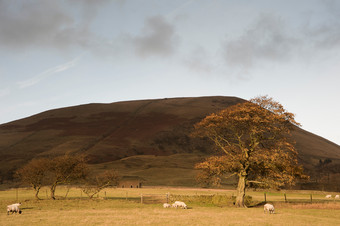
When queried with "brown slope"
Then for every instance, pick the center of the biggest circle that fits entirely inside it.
(110, 132)
(107, 132)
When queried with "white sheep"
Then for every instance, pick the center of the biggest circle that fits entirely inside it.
(328, 196)
(166, 205)
(14, 208)
(180, 204)
(268, 208)
(337, 197)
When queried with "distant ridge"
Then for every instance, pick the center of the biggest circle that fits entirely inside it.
(108, 133)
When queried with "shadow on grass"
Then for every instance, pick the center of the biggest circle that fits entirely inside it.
(256, 205)
(27, 208)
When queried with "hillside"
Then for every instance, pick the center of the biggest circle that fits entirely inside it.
(140, 138)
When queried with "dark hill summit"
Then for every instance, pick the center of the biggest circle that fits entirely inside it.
(130, 135)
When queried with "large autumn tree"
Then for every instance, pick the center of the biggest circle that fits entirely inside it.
(254, 142)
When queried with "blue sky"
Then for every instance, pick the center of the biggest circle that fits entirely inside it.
(62, 53)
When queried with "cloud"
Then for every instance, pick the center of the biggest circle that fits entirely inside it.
(264, 40)
(270, 40)
(324, 30)
(65, 25)
(159, 38)
(52, 24)
(36, 79)
(29, 23)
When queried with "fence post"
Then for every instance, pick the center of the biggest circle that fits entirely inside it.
(141, 198)
(311, 198)
(167, 197)
(285, 197)
(17, 194)
(126, 197)
(265, 197)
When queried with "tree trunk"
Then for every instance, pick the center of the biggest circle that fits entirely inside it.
(37, 193)
(53, 187)
(241, 190)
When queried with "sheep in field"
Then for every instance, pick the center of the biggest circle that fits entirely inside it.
(328, 196)
(166, 205)
(180, 204)
(337, 197)
(268, 208)
(14, 208)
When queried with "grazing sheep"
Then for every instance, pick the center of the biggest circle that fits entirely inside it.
(337, 197)
(268, 208)
(166, 205)
(14, 208)
(180, 204)
(328, 196)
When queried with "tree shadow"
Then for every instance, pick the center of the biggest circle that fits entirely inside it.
(257, 205)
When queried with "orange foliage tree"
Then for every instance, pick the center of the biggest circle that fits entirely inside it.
(255, 144)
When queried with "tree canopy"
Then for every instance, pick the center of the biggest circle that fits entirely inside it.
(254, 140)
(53, 171)
(65, 169)
(34, 173)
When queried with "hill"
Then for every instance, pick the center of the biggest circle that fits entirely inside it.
(147, 138)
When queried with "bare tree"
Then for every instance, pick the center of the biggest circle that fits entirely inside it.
(34, 174)
(66, 169)
(97, 183)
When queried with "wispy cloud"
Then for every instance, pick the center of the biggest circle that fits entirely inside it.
(36, 79)
(265, 40)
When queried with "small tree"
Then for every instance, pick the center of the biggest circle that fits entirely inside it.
(65, 169)
(34, 174)
(95, 184)
(255, 144)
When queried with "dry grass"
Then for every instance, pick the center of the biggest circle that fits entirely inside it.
(116, 210)
(125, 214)
(328, 206)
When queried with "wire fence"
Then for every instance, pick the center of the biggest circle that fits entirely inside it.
(146, 197)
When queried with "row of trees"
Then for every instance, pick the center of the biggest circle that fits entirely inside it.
(65, 169)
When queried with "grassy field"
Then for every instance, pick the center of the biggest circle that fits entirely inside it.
(123, 207)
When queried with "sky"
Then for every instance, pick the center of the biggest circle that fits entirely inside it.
(63, 53)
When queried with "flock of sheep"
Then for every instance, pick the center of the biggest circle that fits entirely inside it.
(268, 208)
(330, 196)
(178, 204)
